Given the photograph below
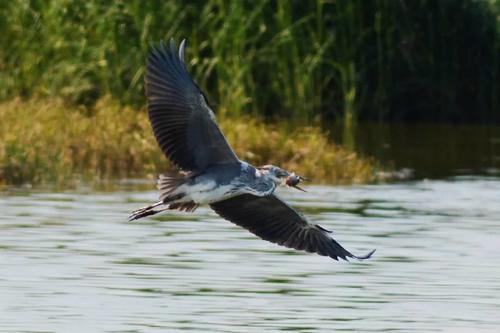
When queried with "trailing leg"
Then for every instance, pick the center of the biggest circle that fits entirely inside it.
(148, 210)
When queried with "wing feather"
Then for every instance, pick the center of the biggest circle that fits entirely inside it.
(273, 220)
(181, 119)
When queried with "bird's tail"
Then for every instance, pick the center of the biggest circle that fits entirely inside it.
(169, 196)
(148, 210)
(168, 184)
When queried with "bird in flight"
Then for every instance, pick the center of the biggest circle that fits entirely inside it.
(210, 172)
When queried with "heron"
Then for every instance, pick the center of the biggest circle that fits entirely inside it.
(210, 173)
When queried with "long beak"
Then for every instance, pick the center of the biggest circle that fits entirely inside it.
(298, 188)
(294, 180)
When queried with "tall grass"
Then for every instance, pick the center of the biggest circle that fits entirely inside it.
(52, 141)
(304, 61)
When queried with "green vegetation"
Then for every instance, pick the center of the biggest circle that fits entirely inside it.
(49, 141)
(383, 60)
(306, 62)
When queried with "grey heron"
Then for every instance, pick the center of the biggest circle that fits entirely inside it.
(210, 172)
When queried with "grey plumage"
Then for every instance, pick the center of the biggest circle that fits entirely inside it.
(273, 220)
(182, 121)
(211, 173)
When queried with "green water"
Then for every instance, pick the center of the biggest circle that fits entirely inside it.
(430, 150)
(70, 262)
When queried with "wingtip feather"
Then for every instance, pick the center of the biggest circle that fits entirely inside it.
(181, 49)
(172, 45)
(366, 256)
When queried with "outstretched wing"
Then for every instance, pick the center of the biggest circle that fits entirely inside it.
(183, 123)
(273, 220)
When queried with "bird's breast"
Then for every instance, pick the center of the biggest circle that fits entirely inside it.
(210, 193)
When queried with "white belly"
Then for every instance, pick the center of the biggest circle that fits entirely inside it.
(209, 192)
(206, 193)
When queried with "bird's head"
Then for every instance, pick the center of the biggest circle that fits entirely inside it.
(281, 176)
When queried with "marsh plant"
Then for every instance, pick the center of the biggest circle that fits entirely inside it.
(52, 142)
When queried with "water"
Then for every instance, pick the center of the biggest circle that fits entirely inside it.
(431, 150)
(70, 262)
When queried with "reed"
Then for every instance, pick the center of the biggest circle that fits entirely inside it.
(71, 78)
(50, 141)
(303, 61)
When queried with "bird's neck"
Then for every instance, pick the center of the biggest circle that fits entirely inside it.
(267, 177)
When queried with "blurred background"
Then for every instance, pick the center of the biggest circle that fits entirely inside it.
(412, 84)
(392, 107)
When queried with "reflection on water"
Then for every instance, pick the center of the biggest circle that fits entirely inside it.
(431, 150)
(70, 262)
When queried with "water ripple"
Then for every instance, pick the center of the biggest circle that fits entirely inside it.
(71, 262)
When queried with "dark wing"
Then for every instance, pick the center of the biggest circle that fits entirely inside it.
(183, 123)
(273, 220)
